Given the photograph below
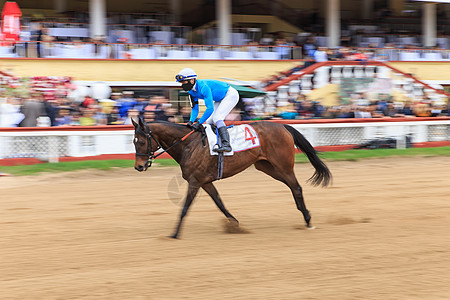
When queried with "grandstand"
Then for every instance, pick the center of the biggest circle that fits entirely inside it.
(139, 46)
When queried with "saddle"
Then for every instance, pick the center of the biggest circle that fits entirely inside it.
(242, 137)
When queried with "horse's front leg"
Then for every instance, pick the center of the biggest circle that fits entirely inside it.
(192, 192)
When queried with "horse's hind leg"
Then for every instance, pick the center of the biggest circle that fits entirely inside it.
(288, 178)
(212, 192)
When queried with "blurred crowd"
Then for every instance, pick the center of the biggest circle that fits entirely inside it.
(42, 108)
(39, 110)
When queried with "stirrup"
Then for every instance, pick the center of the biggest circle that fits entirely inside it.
(222, 149)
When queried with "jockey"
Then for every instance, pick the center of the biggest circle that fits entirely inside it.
(220, 98)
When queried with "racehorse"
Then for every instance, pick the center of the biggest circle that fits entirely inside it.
(275, 157)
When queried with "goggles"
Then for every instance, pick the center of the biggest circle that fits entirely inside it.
(182, 77)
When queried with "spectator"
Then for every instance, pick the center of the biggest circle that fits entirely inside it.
(10, 115)
(33, 108)
(37, 36)
(87, 118)
(391, 110)
(51, 109)
(98, 114)
(335, 55)
(437, 110)
(406, 110)
(362, 111)
(309, 47)
(88, 101)
(375, 111)
(266, 40)
(288, 112)
(185, 113)
(283, 48)
(64, 118)
(155, 105)
(47, 38)
(305, 109)
(345, 112)
(149, 116)
(140, 104)
(331, 113)
(113, 117)
(76, 115)
(132, 114)
(25, 37)
(447, 109)
(320, 55)
(126, 103)
(318, 109)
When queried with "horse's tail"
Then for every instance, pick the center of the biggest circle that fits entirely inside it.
(322, 174)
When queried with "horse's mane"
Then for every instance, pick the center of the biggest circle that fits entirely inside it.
(166, 123)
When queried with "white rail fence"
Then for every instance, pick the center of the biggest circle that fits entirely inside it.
(51, 143)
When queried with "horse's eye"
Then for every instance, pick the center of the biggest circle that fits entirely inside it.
(142, 143)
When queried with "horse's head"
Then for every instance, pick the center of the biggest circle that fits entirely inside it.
(145, 145)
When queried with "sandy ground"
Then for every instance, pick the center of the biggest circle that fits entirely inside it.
(382, 232)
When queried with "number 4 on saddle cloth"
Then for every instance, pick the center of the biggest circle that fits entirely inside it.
(242, 137)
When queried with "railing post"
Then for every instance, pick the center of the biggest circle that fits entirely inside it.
(294, 87)
(358, 72)
(347, 72)
(383, 72)
(417, 90)
(336, 74)
(370, 71)
(282, 96)
(271, 102)
(306, 83)
(322, 77)
(53, 154)
(408, 86)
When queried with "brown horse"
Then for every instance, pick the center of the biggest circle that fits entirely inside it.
(274, 157)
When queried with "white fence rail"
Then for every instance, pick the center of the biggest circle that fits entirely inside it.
(52, 143)
(330, 134)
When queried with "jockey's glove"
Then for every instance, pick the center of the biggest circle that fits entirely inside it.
(196, 126)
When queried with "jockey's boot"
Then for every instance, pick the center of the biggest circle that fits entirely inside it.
(225, 138)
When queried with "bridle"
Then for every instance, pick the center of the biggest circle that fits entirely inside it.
(150, 152)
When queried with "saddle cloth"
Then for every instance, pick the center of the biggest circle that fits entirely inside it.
(242, 137)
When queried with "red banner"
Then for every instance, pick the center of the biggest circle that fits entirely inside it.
(11, 21)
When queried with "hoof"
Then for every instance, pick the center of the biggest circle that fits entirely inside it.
(310, 227)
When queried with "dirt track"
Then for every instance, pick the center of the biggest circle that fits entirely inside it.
(382, 233)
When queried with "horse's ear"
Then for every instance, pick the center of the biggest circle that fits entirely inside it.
(142, 123)
(136, 125)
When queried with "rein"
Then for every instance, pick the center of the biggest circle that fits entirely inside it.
(150, 153)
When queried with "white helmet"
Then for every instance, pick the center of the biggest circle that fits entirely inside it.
(186, 73)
